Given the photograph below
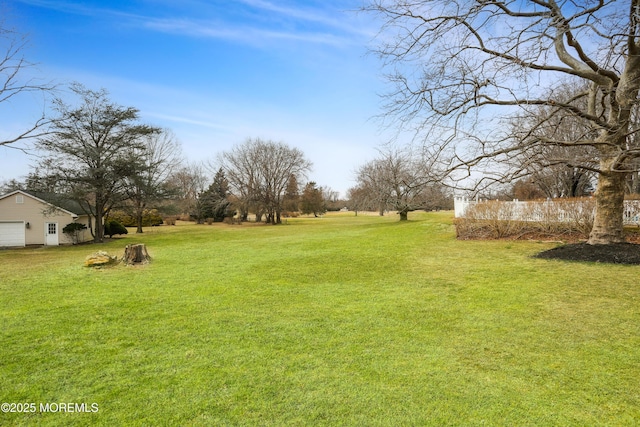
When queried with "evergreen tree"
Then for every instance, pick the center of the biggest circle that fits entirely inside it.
(312, 201)
(214, 201)
(291, 195)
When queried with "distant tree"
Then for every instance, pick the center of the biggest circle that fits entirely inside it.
(564, 181)
(563, 169)
(160, 157)
(91, 149)
(312, 201)
(187, 183)
(259, 172)
(396, 180)
(291, 195)
(436, 197)
(11, 185)
(214, 201)
(150, 217)
(371, 181)
(526, 189)
(331, 198)
(240, 165)
(358, 199)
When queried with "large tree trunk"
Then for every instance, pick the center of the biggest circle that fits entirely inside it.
(139, 214)
(608, 225)
(98, 238)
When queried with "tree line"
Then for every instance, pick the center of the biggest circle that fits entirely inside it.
(98, 154)
(538, 95)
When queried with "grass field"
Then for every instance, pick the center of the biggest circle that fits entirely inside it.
(331, 321)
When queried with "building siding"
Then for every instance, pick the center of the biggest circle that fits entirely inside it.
(37, 214)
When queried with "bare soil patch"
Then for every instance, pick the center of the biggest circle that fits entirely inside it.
(618, 253)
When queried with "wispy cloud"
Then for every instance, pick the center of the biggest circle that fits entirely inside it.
(243, 34)
(271, 22)
(187, 120)
(77, 9)
(316, 15)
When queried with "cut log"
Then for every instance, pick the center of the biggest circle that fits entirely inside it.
(136, 254)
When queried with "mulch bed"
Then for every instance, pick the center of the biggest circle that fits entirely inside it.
(617, 253)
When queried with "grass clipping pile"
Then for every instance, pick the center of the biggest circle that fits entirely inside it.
(615, 253)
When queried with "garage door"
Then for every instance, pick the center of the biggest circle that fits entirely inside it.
(12, 234)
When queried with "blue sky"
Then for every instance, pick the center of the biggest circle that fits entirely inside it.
(215, 73)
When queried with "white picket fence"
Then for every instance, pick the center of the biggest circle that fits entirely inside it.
(539, 210)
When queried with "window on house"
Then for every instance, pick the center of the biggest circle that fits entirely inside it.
(52, 228)
(19, 198)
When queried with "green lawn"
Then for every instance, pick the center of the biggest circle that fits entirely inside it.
(339, 320)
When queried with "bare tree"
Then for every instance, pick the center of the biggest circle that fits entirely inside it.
(397, 180)
(240, 165)
(160, 157)
(329, 194)
(14, 80)
(259, 171)
(458, 66)
(358, 199)
(559, 170)
(188, 182)
(372, 184)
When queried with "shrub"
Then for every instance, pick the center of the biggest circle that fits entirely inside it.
(113, 227)
(122, 217)
(558, 219)
(73, 231)
(150, 217)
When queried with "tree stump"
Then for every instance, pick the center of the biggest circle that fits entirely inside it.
(136, 254)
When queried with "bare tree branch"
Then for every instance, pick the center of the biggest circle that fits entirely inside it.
(14, 69)
(463, 69)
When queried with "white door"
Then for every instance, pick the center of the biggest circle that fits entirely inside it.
(51, 233)
(12, 233)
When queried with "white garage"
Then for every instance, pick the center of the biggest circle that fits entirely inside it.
(12, 233)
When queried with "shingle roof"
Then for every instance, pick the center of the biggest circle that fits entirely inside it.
(56, 200)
